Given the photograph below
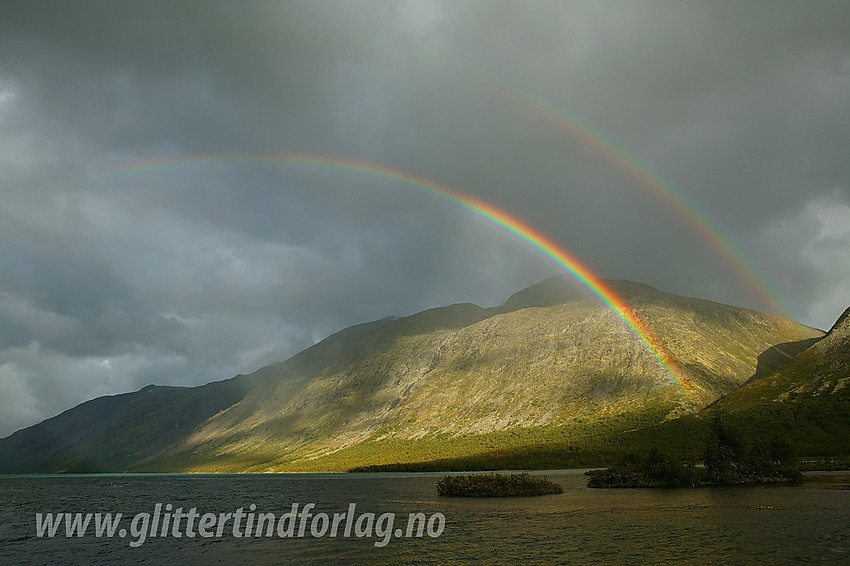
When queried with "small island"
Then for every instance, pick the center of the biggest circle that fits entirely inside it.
(728, 460)
(496, 485)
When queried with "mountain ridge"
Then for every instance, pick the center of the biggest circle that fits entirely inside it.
(549, 356)
(822, 370)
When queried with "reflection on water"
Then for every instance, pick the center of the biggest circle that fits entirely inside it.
(741, 525)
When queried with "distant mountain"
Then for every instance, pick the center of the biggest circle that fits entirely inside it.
(450, 379)
(116, 431)
(821, 372)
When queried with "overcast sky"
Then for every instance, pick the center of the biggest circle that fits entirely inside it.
(114, 276)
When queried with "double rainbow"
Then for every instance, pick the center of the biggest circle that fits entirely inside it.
(637, 168)
(683, 207)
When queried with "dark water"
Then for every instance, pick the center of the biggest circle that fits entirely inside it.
(742, 525)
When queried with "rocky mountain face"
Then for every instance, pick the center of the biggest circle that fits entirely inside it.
(547, 357)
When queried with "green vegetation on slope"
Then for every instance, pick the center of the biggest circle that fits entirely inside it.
(583, 443)
(816, 430)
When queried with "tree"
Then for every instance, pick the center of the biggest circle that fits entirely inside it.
(724, 450)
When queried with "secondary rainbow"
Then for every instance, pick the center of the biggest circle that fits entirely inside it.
(491, 214)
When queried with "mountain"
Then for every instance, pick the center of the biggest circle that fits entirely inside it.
(822, 373)
(547, 364)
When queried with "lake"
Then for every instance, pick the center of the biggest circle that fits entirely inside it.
(734, 525)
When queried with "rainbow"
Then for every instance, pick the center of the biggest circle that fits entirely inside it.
(490, 214)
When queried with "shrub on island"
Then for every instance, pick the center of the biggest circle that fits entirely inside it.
(496, 485)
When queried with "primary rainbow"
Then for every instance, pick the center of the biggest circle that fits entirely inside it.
(527, 235)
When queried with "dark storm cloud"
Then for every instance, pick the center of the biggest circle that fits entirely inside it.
(189, 272)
